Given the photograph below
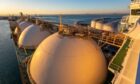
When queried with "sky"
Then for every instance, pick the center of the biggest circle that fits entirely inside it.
(63, 6)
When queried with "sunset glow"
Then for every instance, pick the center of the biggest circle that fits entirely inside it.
(63, 6)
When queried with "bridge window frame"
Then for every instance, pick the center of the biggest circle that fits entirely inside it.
(135, 12)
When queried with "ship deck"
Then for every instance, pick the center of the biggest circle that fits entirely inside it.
(116, 63)
(22, 54)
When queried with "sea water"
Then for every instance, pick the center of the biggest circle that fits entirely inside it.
(9, 72)
(71, 19)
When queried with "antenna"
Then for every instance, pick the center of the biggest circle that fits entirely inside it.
(22, 16)
(60, 24)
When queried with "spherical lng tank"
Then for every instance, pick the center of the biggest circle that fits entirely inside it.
(99, 25)
(98, 21)
(21, 26)
(108, 27)
(67, 60)
(32, 36)
(93, 23)
(112, 26)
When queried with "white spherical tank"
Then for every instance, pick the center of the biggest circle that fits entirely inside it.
(67, 60)
(32, 36)
(16, 32)
(108, 27)
(93, 24)
(112, 26)
(21, 26)
(99, 25)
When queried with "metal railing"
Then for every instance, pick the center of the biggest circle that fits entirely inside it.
(111, 38)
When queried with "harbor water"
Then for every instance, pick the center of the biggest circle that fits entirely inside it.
(9, 72)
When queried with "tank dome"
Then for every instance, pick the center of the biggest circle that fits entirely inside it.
(112, 26)
(31, 37)
(99, 25)
(108, 27)
(67, 60)
(93, 24)
(21, 26)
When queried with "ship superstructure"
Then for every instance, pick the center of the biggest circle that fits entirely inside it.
(129, 22)
(125, 65)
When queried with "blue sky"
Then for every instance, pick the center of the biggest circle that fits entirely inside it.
(64, 6)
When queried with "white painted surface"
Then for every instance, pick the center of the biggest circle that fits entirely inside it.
(21, 27)
(32, 36)
(130, 64)
(68, 60)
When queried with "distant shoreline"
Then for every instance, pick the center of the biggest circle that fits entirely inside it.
(67, 14)
(3, 17)
(41, 15)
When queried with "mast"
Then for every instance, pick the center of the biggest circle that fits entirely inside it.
(60, 24)
(22, 17)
